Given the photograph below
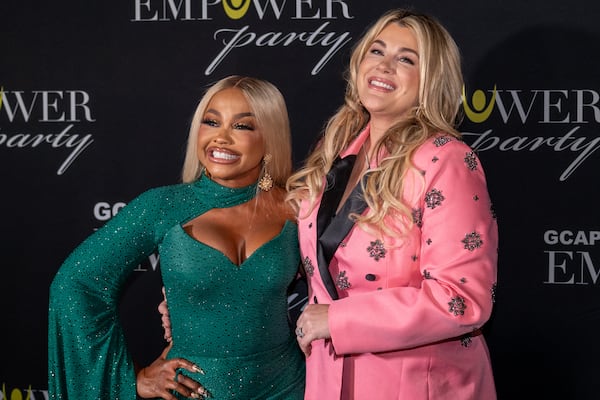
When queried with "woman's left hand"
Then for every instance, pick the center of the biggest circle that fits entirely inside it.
(312, 324)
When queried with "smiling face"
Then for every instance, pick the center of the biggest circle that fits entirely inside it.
(230, 145)
(388, 75)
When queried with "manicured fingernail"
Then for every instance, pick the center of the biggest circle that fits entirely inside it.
(197, 369)
(195, 395)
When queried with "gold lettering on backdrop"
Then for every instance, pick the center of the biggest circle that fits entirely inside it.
(236, 9)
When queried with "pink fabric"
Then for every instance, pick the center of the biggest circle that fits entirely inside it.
(402, 335)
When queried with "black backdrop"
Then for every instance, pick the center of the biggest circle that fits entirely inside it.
(97, 98)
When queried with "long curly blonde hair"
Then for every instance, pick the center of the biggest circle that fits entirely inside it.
(440, 91)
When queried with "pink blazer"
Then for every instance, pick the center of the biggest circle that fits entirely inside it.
(405, 314)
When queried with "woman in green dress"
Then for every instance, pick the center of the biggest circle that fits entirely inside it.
(228, 249)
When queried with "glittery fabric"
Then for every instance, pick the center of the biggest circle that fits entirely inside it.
(87, 353)
(231, 320)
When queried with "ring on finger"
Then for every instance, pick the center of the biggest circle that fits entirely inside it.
(299, 332)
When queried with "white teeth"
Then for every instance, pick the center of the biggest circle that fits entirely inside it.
(382, 85)
(223, 155)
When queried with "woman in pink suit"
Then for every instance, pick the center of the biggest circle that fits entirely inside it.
(397, 233)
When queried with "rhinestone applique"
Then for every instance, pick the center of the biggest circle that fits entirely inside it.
(466, 340)
(342, 281)
(457, 306)
(494, 286)
(471, 161)
(434, 198)
(417, 216)
(440, 141)
(426, 274)
(308, 266)
(472, 241)
(377, 250)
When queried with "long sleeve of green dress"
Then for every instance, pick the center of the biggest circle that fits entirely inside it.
(87, 353)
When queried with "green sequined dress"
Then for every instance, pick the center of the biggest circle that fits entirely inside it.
(230, 320)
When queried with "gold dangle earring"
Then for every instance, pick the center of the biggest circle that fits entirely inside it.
(266, 182)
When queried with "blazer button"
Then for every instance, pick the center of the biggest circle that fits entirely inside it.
(370, 277)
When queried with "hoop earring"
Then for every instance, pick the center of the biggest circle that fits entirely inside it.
(265, 183)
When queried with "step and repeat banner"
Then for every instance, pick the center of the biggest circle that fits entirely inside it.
(96, 99)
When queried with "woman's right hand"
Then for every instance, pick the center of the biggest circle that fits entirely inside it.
(161, 377)
(164, 316)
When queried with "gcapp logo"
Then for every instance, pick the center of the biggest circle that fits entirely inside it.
(572, 259)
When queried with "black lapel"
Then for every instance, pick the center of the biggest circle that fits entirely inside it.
(337, 179)
(331, 229)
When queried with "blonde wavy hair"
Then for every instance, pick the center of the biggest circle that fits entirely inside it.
(438, 108)
(268, 106)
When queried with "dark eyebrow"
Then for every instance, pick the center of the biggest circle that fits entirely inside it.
(244, 114)
(402, 49)
(236, 116)
(213, 111)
